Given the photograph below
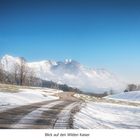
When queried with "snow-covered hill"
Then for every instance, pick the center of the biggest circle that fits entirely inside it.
(70, 72)
(133, 96)
(101, 115)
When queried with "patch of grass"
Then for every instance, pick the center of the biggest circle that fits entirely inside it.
(14, 88)
(8, 88)
(113, 101)
(105, 100)
(86, 97)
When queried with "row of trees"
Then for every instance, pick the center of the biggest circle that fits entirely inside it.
(132, 87)
(21, 74)
(1, 74)
(64, 87)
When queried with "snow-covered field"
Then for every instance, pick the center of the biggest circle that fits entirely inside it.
(94, 113)
(25, 97)
(105, 115)
(133, 96)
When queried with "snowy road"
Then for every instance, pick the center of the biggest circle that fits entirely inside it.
(43, 115)
(63, 111)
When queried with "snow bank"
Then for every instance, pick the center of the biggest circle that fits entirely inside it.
(133, 96)
(26, 96)
(107, 116)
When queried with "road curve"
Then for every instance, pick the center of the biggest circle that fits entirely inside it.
(55, 114)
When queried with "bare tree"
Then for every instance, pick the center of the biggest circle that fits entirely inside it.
(16, 69)
(22, 71)
(131, 87)
(30, 79)
(23, 74)
(1, 74)
(138, 87)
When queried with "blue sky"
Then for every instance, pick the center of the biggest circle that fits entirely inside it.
(99, 34)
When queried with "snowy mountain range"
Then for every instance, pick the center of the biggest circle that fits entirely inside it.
(70, 72)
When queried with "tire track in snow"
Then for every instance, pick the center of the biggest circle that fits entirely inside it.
(63, 121)
(13, 115)
(31, 117)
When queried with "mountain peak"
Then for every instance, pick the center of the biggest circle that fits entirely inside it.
(72, 62)
(12, 58)
(7, 56)
(68, 61)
